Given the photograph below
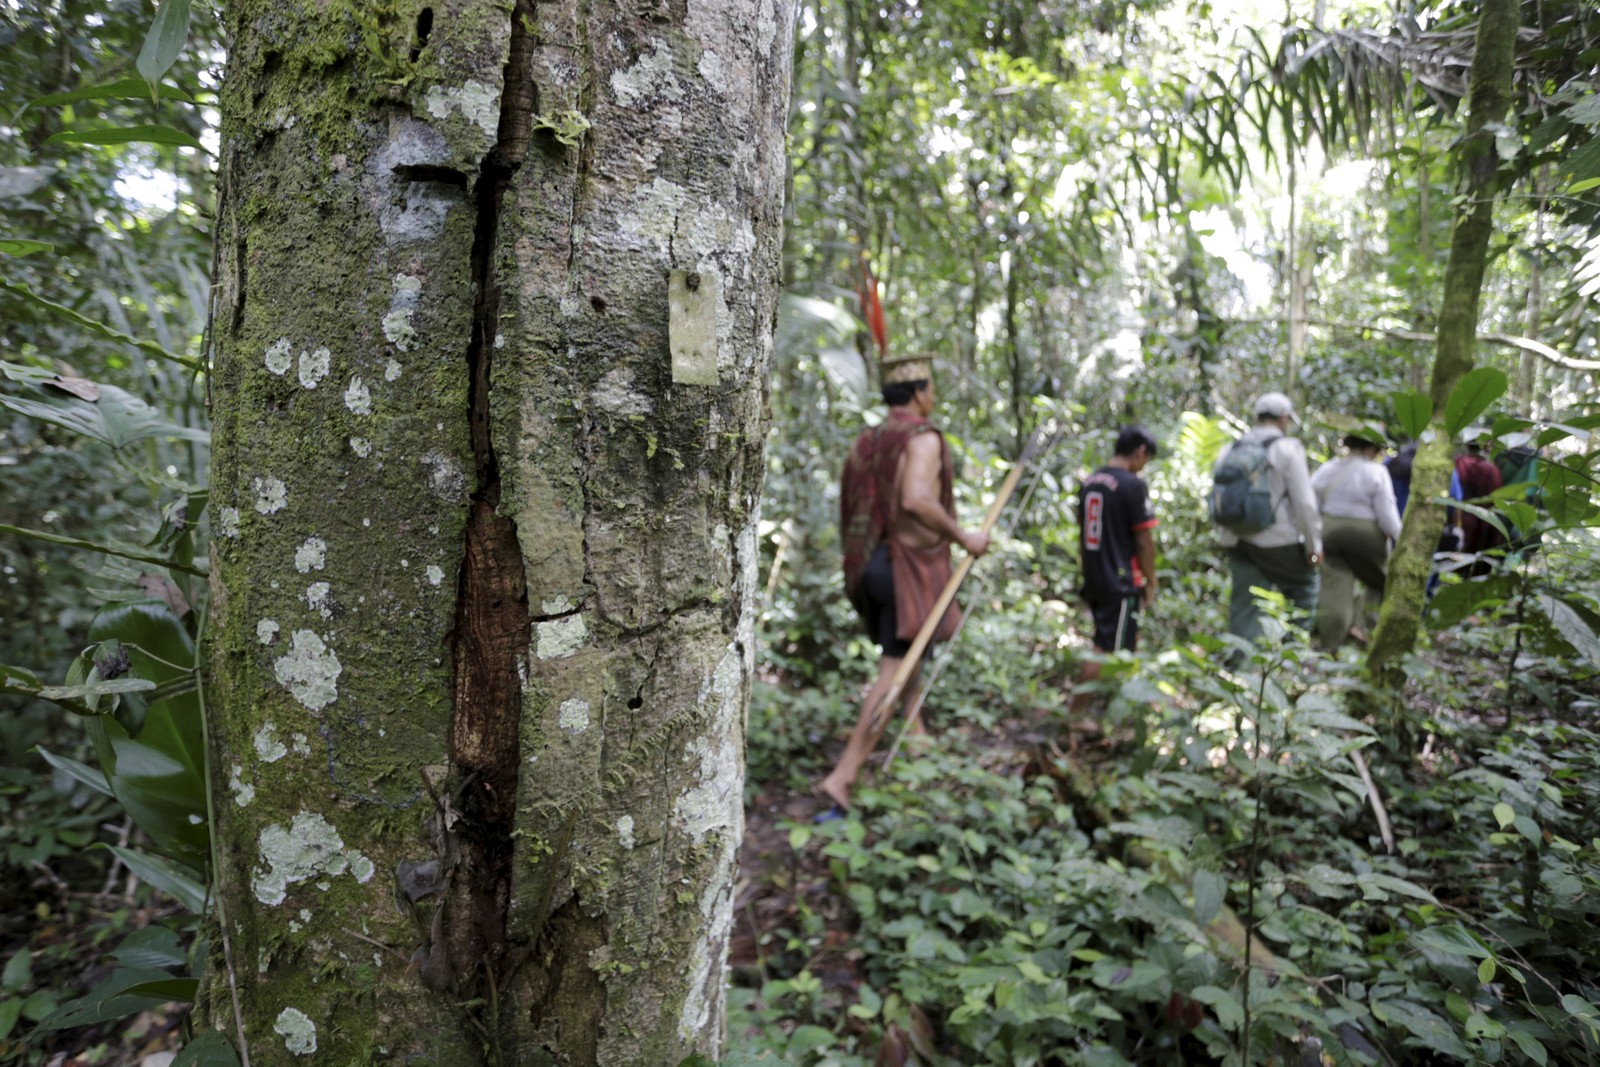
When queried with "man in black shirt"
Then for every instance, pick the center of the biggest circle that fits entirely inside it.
(1115, 535)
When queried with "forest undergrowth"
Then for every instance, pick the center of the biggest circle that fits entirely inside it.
(1012, 893)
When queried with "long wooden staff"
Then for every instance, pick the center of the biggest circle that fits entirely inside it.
(913, 656)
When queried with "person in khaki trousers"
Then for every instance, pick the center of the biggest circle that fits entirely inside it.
(1359, 522)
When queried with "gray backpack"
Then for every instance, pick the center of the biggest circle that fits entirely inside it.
(1241, 489)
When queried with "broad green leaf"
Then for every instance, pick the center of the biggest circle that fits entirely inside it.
(1413, 411)
(1230, 1015)
(117, 418)
(1583, 187)
(1504, 814)
(80, 772)
(165, 876)
(18, 246)
(1472, 396)
(1210, 889)
(1582, 1011)
(10, 1012)
(1530, 1046)
(164, 43)
(1327, 881)
(1450, 939)
(1571, 622)
(95, 689)
(151, 946)
(169, 988)
(18, 972)
(1455, 602)
(122, 89)
(1486, 970)
(111, 135)
(121, 551)
(210, 1049)
(107, 1000)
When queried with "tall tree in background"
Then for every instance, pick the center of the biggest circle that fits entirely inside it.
(481, 630)
(1478, 167)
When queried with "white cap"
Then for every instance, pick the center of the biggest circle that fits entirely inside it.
(1275, 406)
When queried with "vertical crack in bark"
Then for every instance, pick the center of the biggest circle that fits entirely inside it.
(492, 632)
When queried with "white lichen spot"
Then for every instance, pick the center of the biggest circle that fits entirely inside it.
(361, 446)
(712, 70)
(445, 476)
(311, 555)
(243, 792)
(574, 716)
(361, 868)
(266, 631)
(263, 957)
(268, 747)
(615, 394)
(309, 847)
(357, 397)
(556, 605)
(305, 915)
(561, 637)
(625, 831)
(377, 959)
(294, 926)
(435, 574)
(196, 820)
(271, 495)
(571, 305)
(314, 366)
(301, 744)
(298, 1031)
(310, 670)
(278, 358)
(397, 328)
(475, 100)
(652, 76)
(228, 522)
(366, 522)
(392, 370)
(318, 600)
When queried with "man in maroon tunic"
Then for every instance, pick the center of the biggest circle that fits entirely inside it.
(897, 521)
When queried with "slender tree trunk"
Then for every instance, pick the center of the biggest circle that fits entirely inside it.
(1527, 392)
(1477, 163)
(1297, 278)
(486, 505)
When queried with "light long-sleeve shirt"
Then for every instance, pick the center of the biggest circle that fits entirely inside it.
(1295, 517)
(1354, 487)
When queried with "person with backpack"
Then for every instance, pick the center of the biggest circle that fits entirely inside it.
(897, 521)
(1359, 521)
(1266, 515)
(1116, 541)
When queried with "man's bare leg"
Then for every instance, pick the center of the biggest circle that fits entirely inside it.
(869, 728)
(1082, 698)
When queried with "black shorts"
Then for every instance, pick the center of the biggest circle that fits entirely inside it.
(878, 579)
(1116, 624)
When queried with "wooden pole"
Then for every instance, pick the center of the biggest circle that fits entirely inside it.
(913, 656)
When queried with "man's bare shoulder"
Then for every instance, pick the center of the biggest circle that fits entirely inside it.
(924, 443)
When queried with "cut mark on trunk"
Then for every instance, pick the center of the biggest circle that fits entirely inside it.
(493, 628)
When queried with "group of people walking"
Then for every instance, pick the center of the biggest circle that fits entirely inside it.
(1313, 537)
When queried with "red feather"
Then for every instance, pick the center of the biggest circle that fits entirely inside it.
(872, 308)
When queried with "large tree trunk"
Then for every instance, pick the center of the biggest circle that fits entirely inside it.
(1478, 164)
(482, 628)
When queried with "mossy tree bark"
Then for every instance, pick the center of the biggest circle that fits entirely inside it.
(484, 574)
(1477, 184)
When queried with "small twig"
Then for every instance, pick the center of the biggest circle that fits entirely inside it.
(1384, 829)
(375, 943)
(122, 842)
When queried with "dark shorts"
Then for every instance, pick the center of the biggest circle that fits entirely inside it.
(878, 580)
(1116, 624)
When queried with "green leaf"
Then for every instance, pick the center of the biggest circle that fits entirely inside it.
(112, 135)
(165, 876)
(10, 1011)
(1529, 1045)
(1582, 1011)
(18, 972)
(164, 43)
(168, 989)
(151, 946)
(96, 689)
(120, 551)
(1583, 187)
(97, 328)
(1486, 970)
(210, 1049)
(117, 418)
(1570, 621)
(19, 246)
(1229, 1014)
(107, 1000)
(1455, 602)
(1472, 396)
(1413, 411)
(80, 772)
(122, 89)
(1450, 939)
(1504, 814)
(1210, 889)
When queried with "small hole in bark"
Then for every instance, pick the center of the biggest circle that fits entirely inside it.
(636, 703)
(424, 28)
(596, 303)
